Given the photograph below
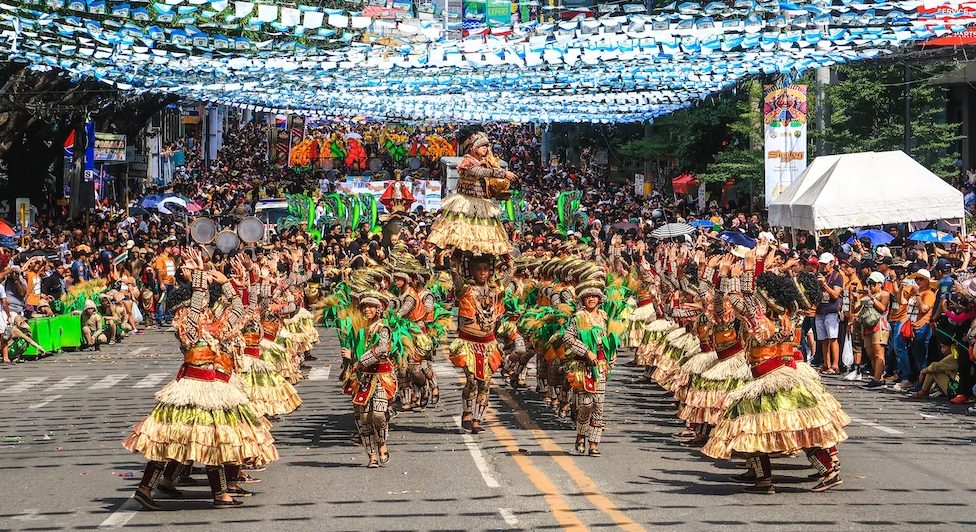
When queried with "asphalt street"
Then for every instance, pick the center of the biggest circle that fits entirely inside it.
(908, 465)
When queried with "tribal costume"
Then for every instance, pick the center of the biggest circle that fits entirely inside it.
(588, 365)
(470, 219)
(374, 385)
(476, 351)
(780, 411)
(201, 417)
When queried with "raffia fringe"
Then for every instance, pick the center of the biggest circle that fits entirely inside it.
(270, 394)
(784, 378)
(644, 314)
(471, 206)
(208, 395)
(734, 367)
(489, 238)
(204, 445)
(774, 432)
(248, 363)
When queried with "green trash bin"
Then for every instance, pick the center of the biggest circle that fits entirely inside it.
(68, 330)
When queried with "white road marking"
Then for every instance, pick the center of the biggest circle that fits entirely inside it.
(150, 380)
(24, 385)
(45, 402)
(67, 382)
(509, 516)
(120, 517)
(873, 425)
(108, 381)
(140, 350)
(320, 374)
(478, 457)
(29, 514)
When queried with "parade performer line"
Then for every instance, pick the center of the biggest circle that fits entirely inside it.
(587, 486)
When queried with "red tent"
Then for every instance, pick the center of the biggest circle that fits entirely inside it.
(684, 183)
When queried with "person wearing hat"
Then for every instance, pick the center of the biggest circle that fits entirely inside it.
(588, 363)
(871, 310)
(92, 327)
(470, 219)
(410, 308)
(827, 319)
(921, 302)
(374, 385)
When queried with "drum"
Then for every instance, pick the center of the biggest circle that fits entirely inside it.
(203, 230)
(251, 230)
(227, 240)
(414, 163)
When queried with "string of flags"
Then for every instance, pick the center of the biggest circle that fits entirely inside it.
(620, 67)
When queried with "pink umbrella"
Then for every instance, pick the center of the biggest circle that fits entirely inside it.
(193, 207)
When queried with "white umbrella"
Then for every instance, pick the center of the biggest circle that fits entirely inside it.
(167, 203)
(672, 230)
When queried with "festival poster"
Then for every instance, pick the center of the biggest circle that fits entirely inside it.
(785, 132)
(498, 13)
(109, 147)
(296, 130)
(278, 142)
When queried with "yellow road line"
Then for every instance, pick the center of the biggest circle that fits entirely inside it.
(585, 483)
(564, 515)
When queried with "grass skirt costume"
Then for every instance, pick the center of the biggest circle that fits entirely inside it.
(706, 399)
(275, 351)
(778, 412)
(672, 351)
(652, 344)
(470, 220)
(201, 416)
(270, 393)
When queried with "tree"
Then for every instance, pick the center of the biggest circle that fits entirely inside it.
(867, 114)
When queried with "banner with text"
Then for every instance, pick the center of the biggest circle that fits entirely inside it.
(785, 128)
(109, 147)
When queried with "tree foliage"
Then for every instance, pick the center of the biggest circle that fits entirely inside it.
(867, 114)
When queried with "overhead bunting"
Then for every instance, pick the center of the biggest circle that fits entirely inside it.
(305, 59)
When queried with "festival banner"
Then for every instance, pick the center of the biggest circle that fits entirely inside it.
(296, 130)
(946, 13)
(639, 184)
(785, 128)
(109, 147)
(278, 141)
(89, 166)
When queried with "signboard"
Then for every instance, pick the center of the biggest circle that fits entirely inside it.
(427, 193)
(639, 184)
(947, 13)
(498, 13)
(785, 128)
(110, 147)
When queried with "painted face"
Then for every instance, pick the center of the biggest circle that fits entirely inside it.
(481, 272)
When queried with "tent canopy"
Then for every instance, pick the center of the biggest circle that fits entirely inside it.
(864, 189)
(684, 183)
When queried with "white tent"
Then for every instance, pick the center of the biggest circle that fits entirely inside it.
(864, 189)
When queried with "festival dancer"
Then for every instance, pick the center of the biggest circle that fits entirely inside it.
(374, 385)
(778, 411)
(201, 417)
(480, 307)
(588, 365)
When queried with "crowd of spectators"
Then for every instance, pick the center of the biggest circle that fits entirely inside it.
(897, 315)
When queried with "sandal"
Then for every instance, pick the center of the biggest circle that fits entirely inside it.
(373, 462)
(385, 458)
(466, 424)
(170, 491)
(233, 503)
(245, 479)
(476, 427)
(594, 452)
(435, 395)
(581, 445)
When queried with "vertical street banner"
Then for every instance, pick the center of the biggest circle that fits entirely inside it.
(785, 133)
(638, 184)
(89, 152)
(278, 141)
(296, 130)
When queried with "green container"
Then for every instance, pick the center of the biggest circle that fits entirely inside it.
(68, 330)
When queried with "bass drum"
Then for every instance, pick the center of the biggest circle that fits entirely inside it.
(227, 241)
(251, 230)
(203, 230)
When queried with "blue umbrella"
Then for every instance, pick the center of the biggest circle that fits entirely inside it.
(933, 235)
(876, 236)
(736, 238)
(150, 202)
(698, 224)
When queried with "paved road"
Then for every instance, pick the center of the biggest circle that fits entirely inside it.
(908, 465)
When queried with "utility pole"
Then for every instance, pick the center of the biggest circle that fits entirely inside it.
(907, 91)
(822, 80)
